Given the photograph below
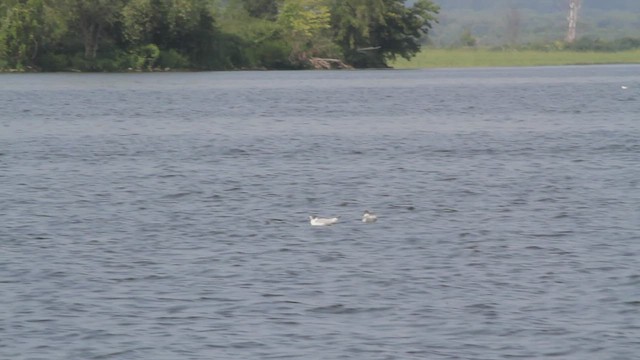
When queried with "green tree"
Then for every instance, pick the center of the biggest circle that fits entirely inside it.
(27, 29)
(351, 21)
(305, 24)
(264, 9)
(93, 20)
(107, 35)
(182, 27)
(140, 20)
(261, 40)
(371, 32)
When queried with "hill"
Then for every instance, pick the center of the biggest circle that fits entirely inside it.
(502, 22)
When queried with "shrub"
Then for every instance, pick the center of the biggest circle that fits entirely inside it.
(79, 63)
(53, 62)
(172, 59)
(147, 54)
(271, 54)
(626, 43)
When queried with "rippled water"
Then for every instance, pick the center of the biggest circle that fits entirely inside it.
(165, 216)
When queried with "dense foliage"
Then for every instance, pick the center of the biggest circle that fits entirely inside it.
(112, 35)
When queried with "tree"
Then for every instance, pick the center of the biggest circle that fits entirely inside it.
(372, 32)
(304, 22)
(139, 19)
(264, 9)
(572, 18)
(261, 40)
(92, 18)
(183, 28)
(107, 35)
(352, 21)
(27, 28)
(403, 28)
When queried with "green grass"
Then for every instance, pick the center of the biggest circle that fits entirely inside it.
(443, 58)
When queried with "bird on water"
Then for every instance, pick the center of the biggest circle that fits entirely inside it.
(318, 221)
(369, 217)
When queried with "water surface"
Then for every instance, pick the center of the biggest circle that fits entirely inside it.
(164, 216)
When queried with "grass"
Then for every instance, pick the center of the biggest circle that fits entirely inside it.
(443, 58)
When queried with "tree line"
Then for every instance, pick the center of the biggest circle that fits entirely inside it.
(117, 35)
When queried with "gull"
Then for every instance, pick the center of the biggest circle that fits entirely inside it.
(318, 221)
(623, 87)
(369, 217)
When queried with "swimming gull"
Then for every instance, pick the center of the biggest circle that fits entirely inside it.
(318, 221)
(369, 217)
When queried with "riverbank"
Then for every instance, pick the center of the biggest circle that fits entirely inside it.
(460, 58)
(449, 58)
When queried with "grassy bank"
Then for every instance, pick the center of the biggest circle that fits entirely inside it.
(442, 58)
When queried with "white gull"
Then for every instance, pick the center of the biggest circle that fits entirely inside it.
(318, 221)
(369, 217)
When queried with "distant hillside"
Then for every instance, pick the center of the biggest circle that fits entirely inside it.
(543, 6)
(501, 22)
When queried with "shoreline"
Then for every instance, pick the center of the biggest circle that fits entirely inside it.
(439, 58)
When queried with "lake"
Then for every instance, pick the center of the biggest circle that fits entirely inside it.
(165, 215)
